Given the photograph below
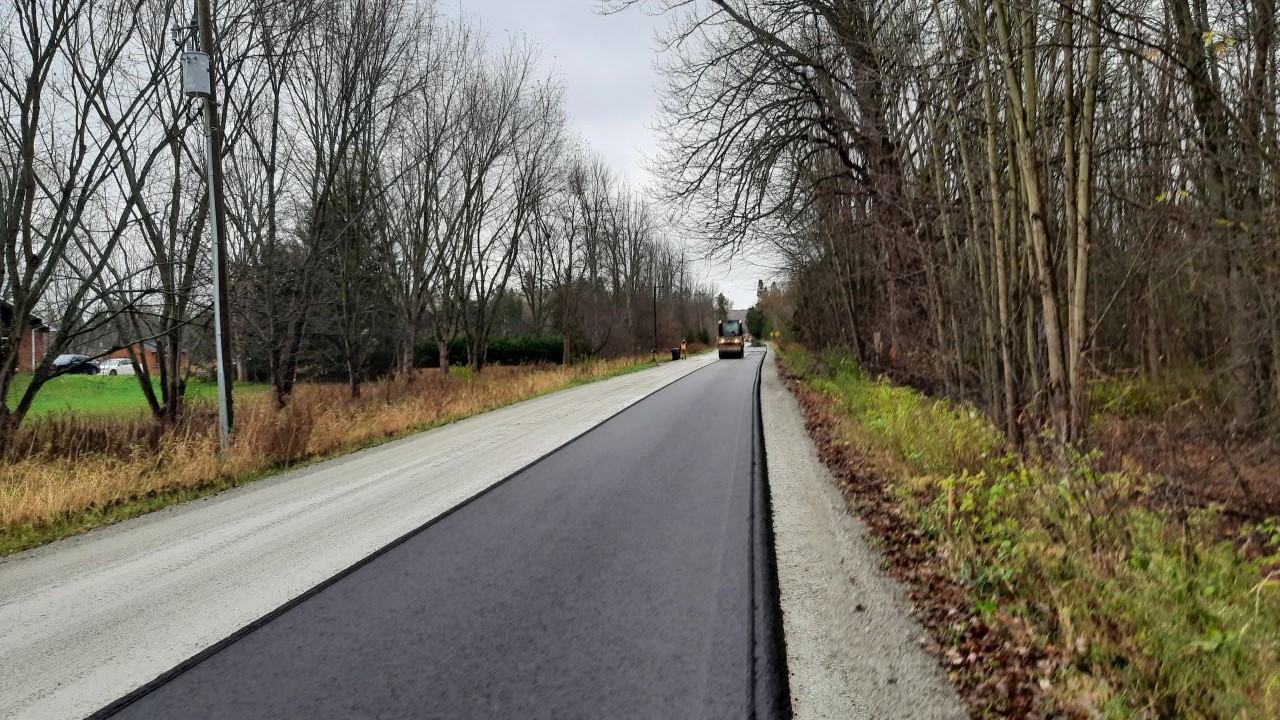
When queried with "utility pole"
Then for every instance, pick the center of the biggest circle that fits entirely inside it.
(655, 317)
(217, 214)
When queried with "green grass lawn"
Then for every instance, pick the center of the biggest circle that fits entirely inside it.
(105, 394)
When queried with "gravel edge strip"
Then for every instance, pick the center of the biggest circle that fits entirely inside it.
(853, 649)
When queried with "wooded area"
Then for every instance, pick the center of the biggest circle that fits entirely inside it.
(999, 200)
(1060, 221)
(394, 180)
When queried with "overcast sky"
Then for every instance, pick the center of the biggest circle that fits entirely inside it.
(608, 66)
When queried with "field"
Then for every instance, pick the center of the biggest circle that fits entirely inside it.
(99, 395)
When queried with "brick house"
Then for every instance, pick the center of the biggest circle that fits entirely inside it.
(31, 343)
(149, 355)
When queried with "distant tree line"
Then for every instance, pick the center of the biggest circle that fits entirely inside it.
(393, 181)
(999, 200)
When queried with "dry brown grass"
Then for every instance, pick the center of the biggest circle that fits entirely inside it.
(65, 473)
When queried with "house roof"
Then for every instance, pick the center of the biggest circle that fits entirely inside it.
(6, 316)
(141, 345)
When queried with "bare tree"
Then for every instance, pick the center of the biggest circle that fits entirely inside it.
(508, 153)
(990, 196)
(61, 221)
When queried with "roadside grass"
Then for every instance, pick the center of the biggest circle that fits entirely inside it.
(107, 395)
(1144, 615)
(70, 473)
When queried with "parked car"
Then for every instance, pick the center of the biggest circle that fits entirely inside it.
(75, 365)
(116, 366)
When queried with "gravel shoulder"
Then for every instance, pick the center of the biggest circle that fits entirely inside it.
(853, 649)
(88, 619)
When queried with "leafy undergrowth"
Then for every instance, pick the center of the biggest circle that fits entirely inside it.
(1049, 591)
(1172, 425)
(1137, 395)
(65, 474)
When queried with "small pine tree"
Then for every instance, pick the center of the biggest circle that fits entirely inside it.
(723, 306)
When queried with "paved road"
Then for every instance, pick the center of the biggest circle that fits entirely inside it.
(616, 578)
(89, 619)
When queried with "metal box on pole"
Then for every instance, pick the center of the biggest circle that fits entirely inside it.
(195, 73)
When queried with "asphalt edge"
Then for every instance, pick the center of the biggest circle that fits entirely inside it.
(771, 693)
(142, 691)
(853, 640)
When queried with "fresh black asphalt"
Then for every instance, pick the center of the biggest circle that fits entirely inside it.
(626, 575)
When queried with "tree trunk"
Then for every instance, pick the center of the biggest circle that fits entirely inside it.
(442, 347)
(408, 341)
(1022, 103)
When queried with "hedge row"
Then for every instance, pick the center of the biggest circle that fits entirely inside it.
(502, 350)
